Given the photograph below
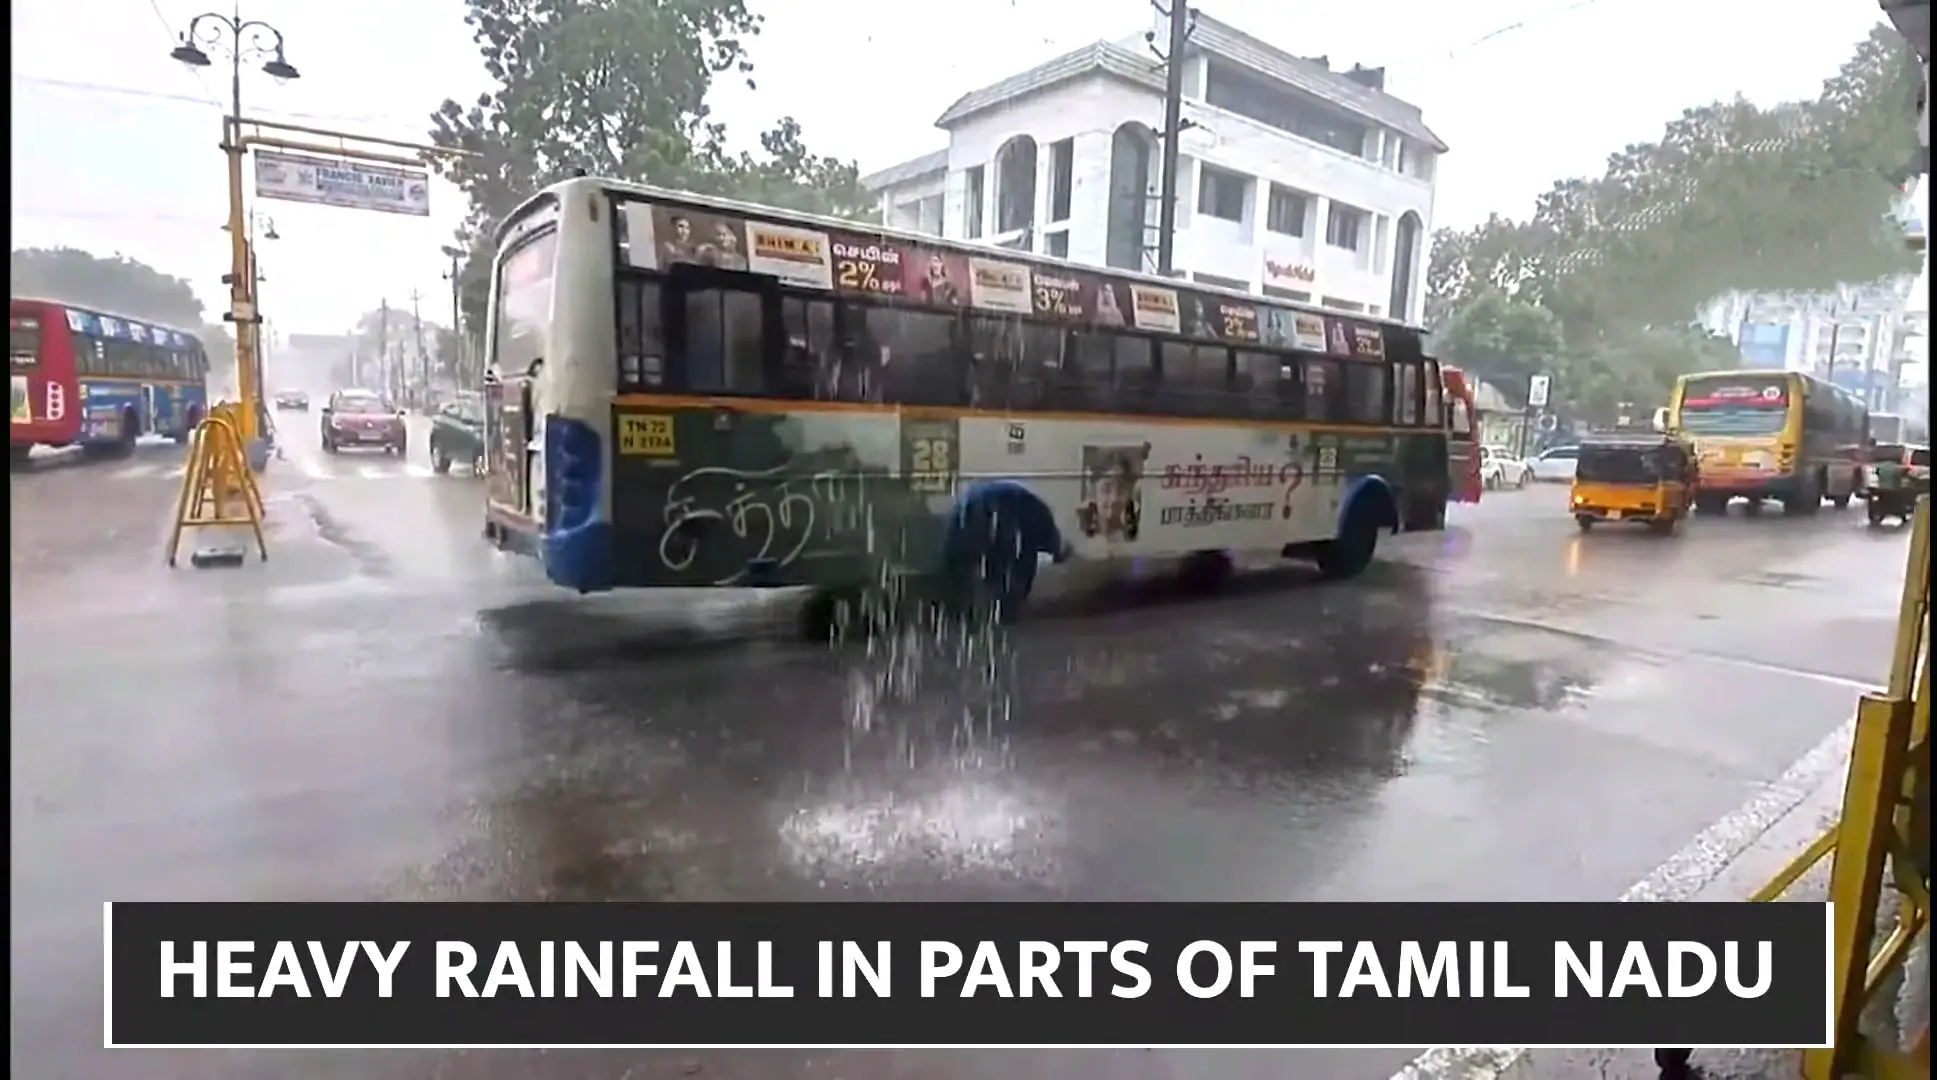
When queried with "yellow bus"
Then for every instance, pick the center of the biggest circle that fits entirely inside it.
(1779, 435)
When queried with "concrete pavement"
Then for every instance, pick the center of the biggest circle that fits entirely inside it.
(389, 710)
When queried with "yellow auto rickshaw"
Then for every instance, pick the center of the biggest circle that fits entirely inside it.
(1649, 478)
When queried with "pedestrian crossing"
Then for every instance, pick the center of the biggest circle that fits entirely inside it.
(306, 468)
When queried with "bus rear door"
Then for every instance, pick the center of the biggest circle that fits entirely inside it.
(1462, 437)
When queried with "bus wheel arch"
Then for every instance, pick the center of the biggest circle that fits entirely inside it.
(1368, 508)
(191, 420)
(997, 534)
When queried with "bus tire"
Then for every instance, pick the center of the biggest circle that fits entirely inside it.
(1206, 571)
(1808, 498)
(190, 422)
(996, 574)
(1351, 552)
(124, 440)
(22, 453)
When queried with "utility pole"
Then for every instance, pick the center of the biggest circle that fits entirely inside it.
(422, 364)
(1180, 17)
(383, 344)
(457, 324)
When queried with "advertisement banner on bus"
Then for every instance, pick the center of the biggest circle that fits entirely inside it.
(867, 265)
(999, 286)
(1155, 309)
(795, 256)
(1748, 393)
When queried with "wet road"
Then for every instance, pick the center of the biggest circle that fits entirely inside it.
(388, 710)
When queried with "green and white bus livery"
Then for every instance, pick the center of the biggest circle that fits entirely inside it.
(687, 391)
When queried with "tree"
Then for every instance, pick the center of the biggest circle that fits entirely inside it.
(114, 284)
(1501, 339)
(1731, 197)
(614, 88)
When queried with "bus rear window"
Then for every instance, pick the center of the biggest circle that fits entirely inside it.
(524, 301)
(23, 341)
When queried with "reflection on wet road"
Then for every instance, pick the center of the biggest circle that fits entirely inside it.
(1508, 710)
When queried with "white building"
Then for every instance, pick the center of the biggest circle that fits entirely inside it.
(1295, 180)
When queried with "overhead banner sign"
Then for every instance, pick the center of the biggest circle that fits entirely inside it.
(353, 185)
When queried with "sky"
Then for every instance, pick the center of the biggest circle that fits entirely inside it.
(114, 143)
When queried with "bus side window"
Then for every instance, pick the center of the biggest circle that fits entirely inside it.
(1405, 396)
(1260, 376)
(1134, 379)
(1324, 392)
(1094, 356)
(915, 353)
(1366, 393)
(811, 364)
(1433, 414)
(724, 343)
(642, 350)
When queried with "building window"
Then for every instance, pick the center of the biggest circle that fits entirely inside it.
(1344, 226)
(1062, 173)
(1220, 194)
(1056, 245)
(972, 204)
(1296, 296)
(1286, 211)
(1336, 304)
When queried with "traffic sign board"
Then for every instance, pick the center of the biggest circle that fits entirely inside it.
(1537, 387)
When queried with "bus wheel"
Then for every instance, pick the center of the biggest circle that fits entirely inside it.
(124, 442)
(998, 573)
(1711, 504)
(22, 453)
(1840, 501)
(1754, 507)
(1358, 540)
(831, 616)
(193, 421)
(1807, 500)
(1206, 571)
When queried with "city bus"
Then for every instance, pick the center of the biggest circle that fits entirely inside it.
(101, 381)
(1463, 436)
(1779, 435)
(686, 391)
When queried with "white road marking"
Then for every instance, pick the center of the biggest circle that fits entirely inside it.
(418, 472)
(315, 469)
(1679, 879)
(374, 472)
(133, 472)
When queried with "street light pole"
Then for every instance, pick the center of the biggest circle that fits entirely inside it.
(241, 40)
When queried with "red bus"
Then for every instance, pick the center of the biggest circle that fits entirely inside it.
(101, 381)
(1463, 436)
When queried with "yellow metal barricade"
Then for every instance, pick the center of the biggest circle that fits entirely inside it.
(1882, 839)
(218, 489)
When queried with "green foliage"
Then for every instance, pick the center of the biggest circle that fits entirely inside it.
(115, 285)
(1731, 197)
(615, 88)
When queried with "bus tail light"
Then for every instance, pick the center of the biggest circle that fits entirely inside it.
(576, 463)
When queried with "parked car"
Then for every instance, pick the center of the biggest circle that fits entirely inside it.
(457, 434)
(292, 399)
(362, 418)
(1557, 464)
(1499, 468)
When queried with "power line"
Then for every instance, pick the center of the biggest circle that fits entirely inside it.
(169, 33)
(190, 99)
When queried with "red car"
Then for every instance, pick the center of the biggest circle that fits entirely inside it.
(360, 418)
